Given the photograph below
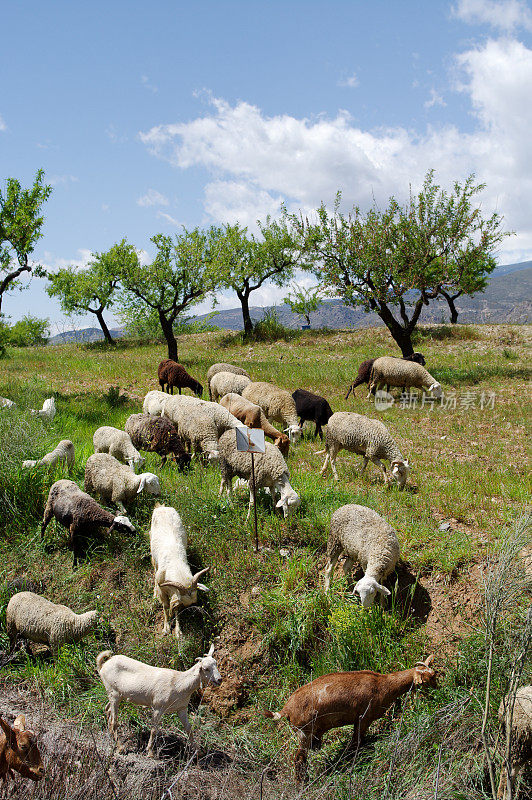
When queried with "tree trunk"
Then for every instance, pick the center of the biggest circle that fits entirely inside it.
(401, 335)
(106, 332)
(248, 323)
(452, 308)
(168, 332)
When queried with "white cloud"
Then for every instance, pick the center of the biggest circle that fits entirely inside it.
(54, 264)
(435, 99)
(351, 82)
(504, 15)
(171, 220)
(62, 180)
(152, 198)
(3, 126)
(145, 81)
(254, 160)
(105, 207)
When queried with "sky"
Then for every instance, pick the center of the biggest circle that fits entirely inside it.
(146, 117)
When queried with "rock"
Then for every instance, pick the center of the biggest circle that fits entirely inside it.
(444, 526)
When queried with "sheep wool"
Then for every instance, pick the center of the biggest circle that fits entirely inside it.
(116, 483)
(278, 405)
(398, 372)
(156, 435)
(365, 537)
(39, 620)
(253, 416)
(62, 454)
(223, 366)
(226, 382)
(367, 437)
(118, 444)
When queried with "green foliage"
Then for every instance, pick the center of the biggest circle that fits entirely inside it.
(29, 332)
(394, 261)
(4, 336)
(20, 229)
(270, 329)
(304, 301)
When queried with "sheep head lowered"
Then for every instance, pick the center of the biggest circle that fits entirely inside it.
(294, 433)
(19, 750)
(400, 471)
(185, 595)
(122, 525)
(150, 482)
(368, 587)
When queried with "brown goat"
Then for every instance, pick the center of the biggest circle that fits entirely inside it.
(19, 751)
(253, 416)
(345, 698)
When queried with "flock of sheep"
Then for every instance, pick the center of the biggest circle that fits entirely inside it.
(182, 427)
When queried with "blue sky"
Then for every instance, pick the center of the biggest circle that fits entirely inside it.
(146, 117)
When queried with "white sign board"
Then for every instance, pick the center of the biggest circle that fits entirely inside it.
(250, 440)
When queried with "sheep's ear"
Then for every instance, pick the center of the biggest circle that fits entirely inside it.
(280, 504)
(383, 590)
(142, 484)
(11, 736)
(20, 723)
(202, 587)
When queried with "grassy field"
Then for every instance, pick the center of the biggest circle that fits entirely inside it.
(275, 627)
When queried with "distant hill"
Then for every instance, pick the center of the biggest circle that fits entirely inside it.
(507, 299)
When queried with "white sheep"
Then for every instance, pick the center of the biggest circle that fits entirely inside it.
(367, 437)
(388, 371)
(226, 382)
(200, 423)
(271, 472)
(63, 453)
(365, 537)
(115, 482)
(278, 405)
(164, 691)
(39, 620)
(118, 444)
(47, 412)
(175, 585)
(223, 366)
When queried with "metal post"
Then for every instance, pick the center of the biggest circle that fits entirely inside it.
(254, 501)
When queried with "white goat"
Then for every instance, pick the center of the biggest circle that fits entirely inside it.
(175, 585)
(164, 691)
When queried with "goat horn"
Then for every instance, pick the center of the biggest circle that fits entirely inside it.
(178, 586)
(198, 575)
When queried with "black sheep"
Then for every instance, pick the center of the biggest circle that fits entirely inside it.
(312, 408)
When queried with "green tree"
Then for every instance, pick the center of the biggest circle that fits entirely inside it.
(20, 229)
(92, 288)
(30, 331)
(394, 262)
(304, 301)
(247, 262)
(183, 272)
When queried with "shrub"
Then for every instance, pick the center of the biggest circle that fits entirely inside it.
(30, 332)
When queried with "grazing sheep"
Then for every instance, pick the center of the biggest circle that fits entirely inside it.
(253, 416)
(364, 370)
(225, 382)
(367, 437)
(388, 371)
(47, 412)
(312, 408)
(164, 691)
(6, 403)
(222, 366)
(157, 435)
(154, 403)
(175, 585)
(39, 620)
(115, 483)
(19, 751)
(172, 374)
(118, 444)
(62, 454)
(199, 422)
(277, 404)
(81, 514)
(346, 698)
(271, 472)
(365, 537)
(521, 739)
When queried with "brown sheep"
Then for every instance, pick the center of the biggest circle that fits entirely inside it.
(345, 698)
(254, 417)
(19, 751)
(172, 374)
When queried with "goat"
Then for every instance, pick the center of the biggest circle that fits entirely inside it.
(164, 691)
(345, 698)
(19, 751)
